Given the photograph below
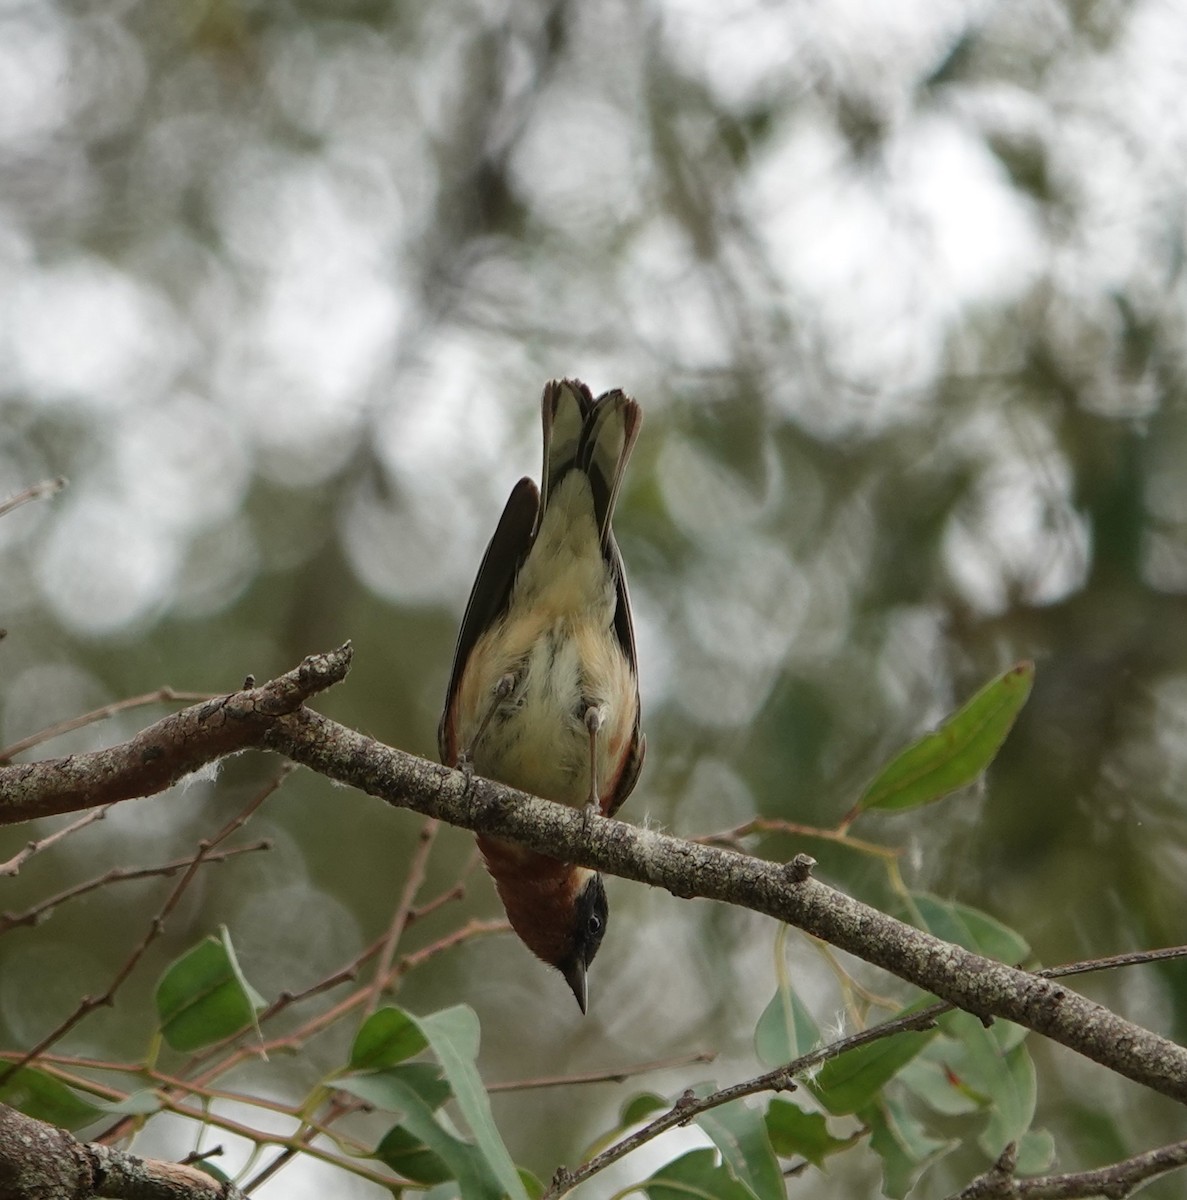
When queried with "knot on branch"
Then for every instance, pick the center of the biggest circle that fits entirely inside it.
(800, 867)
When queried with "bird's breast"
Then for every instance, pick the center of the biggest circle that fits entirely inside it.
(537, 740)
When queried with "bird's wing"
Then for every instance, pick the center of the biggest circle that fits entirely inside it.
(492, 588)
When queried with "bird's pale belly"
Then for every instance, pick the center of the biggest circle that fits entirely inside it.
(538, 740)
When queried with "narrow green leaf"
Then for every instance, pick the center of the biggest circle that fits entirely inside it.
(203, 996)
(855, 1079)
(957, 752)
(139, 1104)
(453, 1034)
(970, 928)
(785, 1030)
(695, 1176)
(387, 1037)
(900, 1142)
(740, 1133)
(39, 1095)
(795, 1132)
(391, 1092)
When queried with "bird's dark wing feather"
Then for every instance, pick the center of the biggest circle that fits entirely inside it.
(625, 631)
(492, 588)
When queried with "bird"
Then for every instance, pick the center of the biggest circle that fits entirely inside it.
(544, 691)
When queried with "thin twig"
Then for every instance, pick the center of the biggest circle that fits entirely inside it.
(734, 837)
(160, 696)
(18, 860)
(619, 1076)
(413, 880)
(34, 915)
(88, 1004)
(336, 1108)
(36, 491)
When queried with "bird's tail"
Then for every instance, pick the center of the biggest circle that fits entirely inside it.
(591, 435)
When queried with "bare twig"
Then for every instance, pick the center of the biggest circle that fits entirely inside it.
(413, 880)
(18, 860)
(160, 696)
(39, 911)
(36, 491)
(734, 837)
(619, 1076)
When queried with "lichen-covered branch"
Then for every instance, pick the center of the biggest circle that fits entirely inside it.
(784, 891)
(272, 716)
(42, 1162)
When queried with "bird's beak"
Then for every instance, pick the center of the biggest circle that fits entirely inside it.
(574, 974)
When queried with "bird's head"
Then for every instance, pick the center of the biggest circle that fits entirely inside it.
(559, 911)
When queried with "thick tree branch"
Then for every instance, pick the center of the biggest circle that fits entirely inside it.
(784, 891)
(42, 1162)
(270, 716)
(160, 755)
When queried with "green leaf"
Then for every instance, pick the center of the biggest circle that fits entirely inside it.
(533, 1185)
(900, 1142)
(785, 1030)
(391, 1092)
(793, 1131)
(854, 1080)
(695, 1176)
(203, 997)
(387, 1037)
(740, 1133)
(957, 752)
(1036, 1152)
(970, 928)
(1000, 1068)
(639, 1108)
(424, 1078)
(39, 1095)
(931, 1079)
(410, 1158)
(453, 1034)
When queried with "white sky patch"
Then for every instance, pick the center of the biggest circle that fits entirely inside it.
(88, 333)
(887, 255)
(455, 448)
(982, 241)
(1018, 534)
(104, 568)
(578, 160)
(181, 463)
(35, 85)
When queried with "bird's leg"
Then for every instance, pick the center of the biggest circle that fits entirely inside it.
(502, 689)
(594, 718)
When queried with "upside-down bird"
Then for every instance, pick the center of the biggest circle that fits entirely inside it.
(544, 694)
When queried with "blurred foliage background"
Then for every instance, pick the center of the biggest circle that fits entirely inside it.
(901, 290)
